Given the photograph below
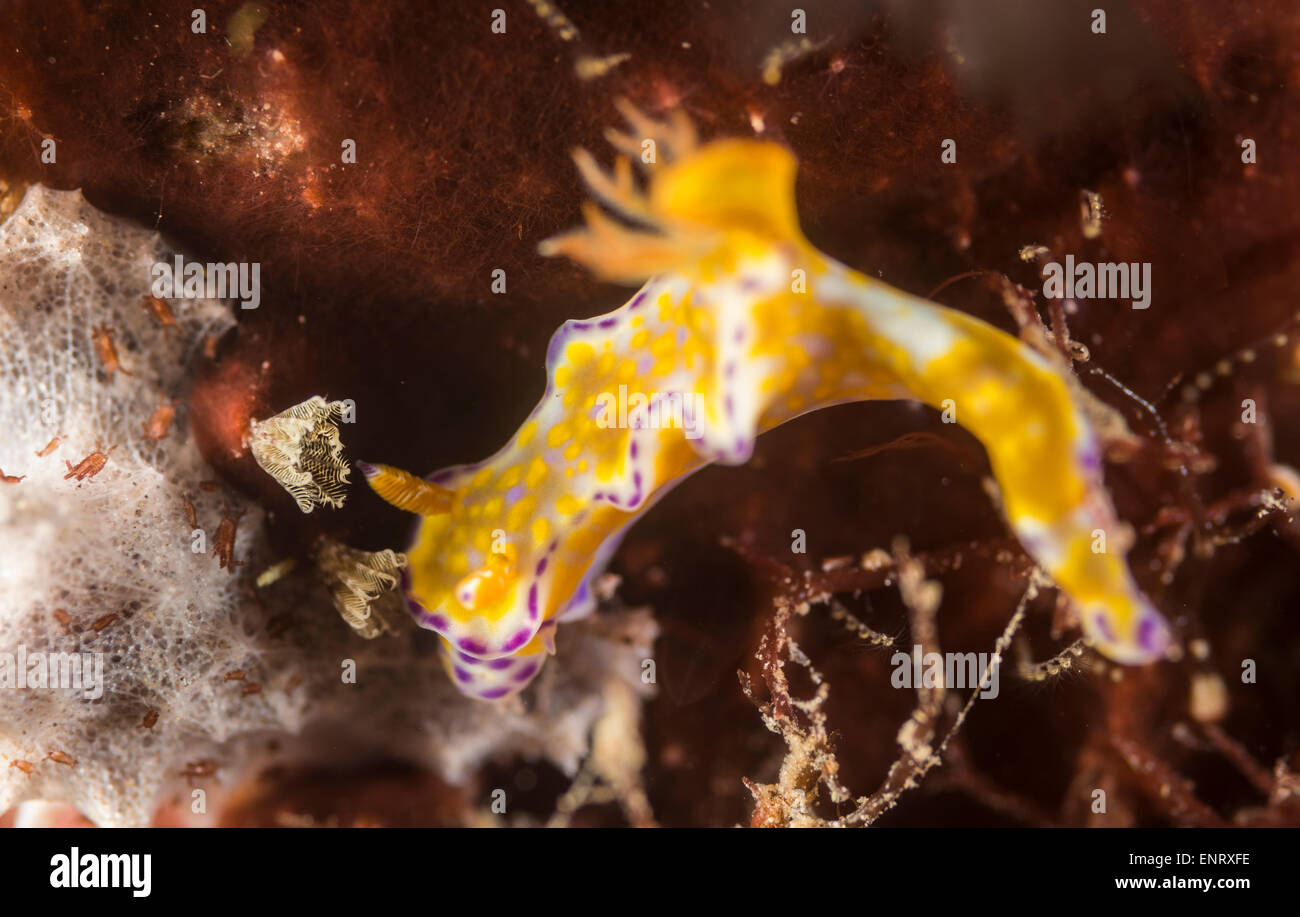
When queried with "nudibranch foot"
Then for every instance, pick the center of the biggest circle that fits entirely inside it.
(740, 325)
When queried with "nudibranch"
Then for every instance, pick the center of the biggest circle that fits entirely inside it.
(740, 326)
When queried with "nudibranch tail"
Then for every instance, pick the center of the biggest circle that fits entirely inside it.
(740, 326)
(1044, 455)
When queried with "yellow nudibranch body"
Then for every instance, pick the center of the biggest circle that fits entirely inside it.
(742, 326)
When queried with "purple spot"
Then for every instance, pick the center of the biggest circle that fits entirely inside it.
(1103, 627)
(424, 618)
(637, 300)
(541, 566)
(504, 662)
(608, 322)
(368, 469)
(1152, 634)
(553, 348)
(731, 407)
(462, 676)
(580, 326)
(472, 646)
(634, 448)
(526, 673)
(517, 641)
(740, 335)
(532, 600)
(494, 693)
(467, 659)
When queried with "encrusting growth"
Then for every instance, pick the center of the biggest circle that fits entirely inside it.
(741, 325)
